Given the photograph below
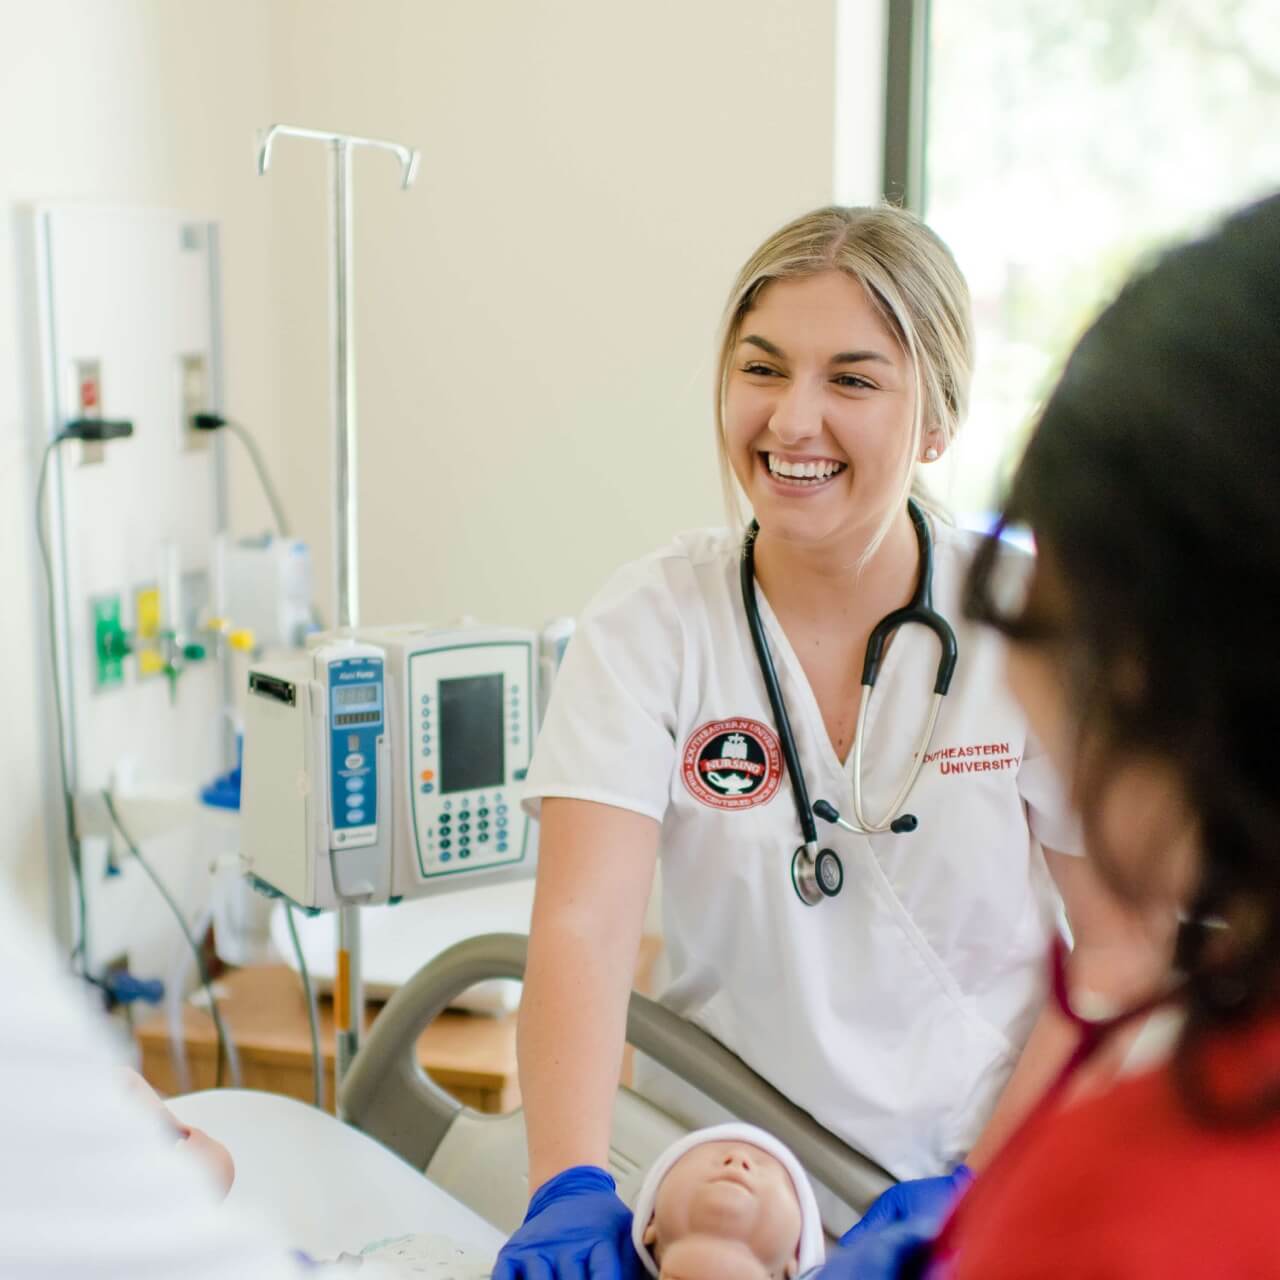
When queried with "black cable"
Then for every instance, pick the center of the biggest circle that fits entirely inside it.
(79, 956)
(186, 933)
(317, 1062)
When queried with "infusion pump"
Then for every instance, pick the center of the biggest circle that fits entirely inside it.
(390, 764)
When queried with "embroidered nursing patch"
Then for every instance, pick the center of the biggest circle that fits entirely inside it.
(732, 764)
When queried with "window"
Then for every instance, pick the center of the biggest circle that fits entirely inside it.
(1063, 143)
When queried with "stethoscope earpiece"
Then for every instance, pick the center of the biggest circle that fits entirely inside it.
(902, 825)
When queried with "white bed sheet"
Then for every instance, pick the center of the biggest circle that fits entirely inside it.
(328, 1187)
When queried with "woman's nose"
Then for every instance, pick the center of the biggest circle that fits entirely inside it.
(798, 415)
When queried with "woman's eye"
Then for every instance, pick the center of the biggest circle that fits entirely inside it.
(759, 370)
(853, 380)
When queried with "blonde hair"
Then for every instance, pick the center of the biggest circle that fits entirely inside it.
(914, 284)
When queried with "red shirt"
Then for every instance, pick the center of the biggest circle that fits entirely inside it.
(1126, 1185)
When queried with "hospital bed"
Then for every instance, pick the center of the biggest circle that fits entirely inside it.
(480, 1159)
(334, 1188)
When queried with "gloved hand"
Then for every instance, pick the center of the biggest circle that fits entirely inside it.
(893, 1251)
(576, 1229)
(927, 1200)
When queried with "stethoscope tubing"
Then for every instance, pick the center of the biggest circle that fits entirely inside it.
(747, 573)
(918, 610)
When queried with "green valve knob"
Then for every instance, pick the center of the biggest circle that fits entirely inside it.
(193, 652)
(115, 644)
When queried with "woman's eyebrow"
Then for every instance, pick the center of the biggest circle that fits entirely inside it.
(765, 345)
(842, 357)
(859, 357)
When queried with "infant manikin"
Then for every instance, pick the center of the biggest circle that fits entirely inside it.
(730, 1201)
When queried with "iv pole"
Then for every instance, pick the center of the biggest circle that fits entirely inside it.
(348, 991)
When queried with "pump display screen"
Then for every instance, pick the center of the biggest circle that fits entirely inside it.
(471, 737)
(356, 695)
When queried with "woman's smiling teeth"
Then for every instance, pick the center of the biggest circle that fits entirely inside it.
(812, 472)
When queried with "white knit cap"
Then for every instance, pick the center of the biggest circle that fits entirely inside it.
(812, 1250)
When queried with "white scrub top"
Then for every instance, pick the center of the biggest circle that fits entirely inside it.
(894, 1012)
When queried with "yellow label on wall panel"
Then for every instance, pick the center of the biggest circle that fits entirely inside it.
(146, 614)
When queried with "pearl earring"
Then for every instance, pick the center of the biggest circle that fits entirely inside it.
(931, 454)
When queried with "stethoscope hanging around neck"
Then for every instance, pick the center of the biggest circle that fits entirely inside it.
(817, 873)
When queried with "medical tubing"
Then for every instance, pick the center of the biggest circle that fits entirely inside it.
(264, 477)
(751, 608)
(317, 1062)
(79, 951)
(198, 930)
(186, 932)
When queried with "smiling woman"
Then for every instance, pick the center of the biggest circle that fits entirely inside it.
(880, 345)
(903, 1012)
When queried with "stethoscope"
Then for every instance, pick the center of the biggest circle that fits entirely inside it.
(818, 873)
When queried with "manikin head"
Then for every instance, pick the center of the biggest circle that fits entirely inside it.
(728, 1202)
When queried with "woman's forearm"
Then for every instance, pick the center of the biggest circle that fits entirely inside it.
(571, 1033)
(594, 875)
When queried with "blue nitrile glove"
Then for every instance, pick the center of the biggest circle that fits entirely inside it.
(893, 1251)
(576, 1229)
(927, 1199)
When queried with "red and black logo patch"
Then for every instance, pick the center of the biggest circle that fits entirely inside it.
(732, 764)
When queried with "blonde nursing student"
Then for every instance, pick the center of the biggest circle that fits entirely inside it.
(891, 985)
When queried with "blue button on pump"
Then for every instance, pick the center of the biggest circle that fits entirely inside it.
(355, 815)
(444, 857)
(355, 784)
(428, 788)
(446, 843)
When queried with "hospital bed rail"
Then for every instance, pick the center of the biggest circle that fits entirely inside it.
(481, 1159)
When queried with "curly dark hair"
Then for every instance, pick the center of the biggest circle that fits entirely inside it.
(1152, 485)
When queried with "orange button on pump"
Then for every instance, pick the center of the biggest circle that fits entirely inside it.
(428, 775)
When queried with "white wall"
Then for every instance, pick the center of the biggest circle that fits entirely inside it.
(131, 102)
(535, 320)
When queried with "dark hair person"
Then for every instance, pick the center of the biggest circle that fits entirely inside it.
(1145, 653)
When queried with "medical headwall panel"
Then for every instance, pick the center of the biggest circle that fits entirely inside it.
(129, 332)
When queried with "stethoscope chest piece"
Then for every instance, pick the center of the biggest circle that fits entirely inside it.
(818, 877)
